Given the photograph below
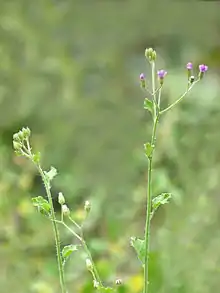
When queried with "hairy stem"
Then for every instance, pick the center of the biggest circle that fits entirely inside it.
(56, 232)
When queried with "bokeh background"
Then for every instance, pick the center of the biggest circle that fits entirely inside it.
(69, 70)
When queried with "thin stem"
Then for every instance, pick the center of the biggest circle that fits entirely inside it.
(148, 213)
(85, 247)
(74, 222)
(180, 98)
(159, 97)
(56, 232)
(71, 230)
(153, 86)
(91, 259)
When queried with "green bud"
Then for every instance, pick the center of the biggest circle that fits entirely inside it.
(65, 210)
(17, 145)
(87, 206)
(26, 132)
(20, 135)
(16, 137)
(191, 79)
(150, 54)
(61, 198)
(89, 265)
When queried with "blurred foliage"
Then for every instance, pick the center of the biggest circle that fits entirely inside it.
(69, 70)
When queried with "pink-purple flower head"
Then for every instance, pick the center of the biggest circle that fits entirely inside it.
(203, 68)
(161, 73)
(142, 80)
(142, 76)
(189, 66)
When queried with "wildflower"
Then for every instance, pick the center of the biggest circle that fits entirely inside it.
(161, 74)
(142, 76)
(202, 69)
(142, 80)
(189, 66)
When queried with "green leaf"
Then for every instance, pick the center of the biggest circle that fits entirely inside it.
(161, 199)
(51, 174)
(68, 250)
(139, 246)
(148, 105)
(148, 149)
(42, 205)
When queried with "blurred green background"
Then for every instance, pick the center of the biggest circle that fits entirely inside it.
(69, 70)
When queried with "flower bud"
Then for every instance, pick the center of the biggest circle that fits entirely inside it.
(89, 265)
(96, 284)
(191, 79)
(16, 137)
(189, 67)
(150, 54)
(161, 74)
(118, 282)
(26, 132)
(17, 145)
(87, 206)
(61, 198)
(202, 69)
(142, 80)
(65, 210)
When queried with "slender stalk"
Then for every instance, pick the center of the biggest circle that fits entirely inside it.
(91, 259)
(180, 98)
(148, 212)
(56, 232)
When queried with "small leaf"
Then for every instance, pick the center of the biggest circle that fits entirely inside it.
(68, 249)
(51, 174)
(148, 105)
(148, 149)
(161, 199)
(42, 205)
(139, 246)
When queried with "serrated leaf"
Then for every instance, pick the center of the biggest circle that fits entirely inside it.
(42, 205)
(51, 174)
(148, 149)
(139, 246)
(148, 105)
(68, 250)
(161, 199)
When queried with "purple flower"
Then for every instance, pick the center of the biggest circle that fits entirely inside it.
(161, 74)
(189, 66)
(203, 68)
(142, 76)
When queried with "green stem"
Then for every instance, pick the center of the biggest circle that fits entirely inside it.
(180, 98)
(56, 232)
(148, 214)
(150, 160)
(91, 259)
